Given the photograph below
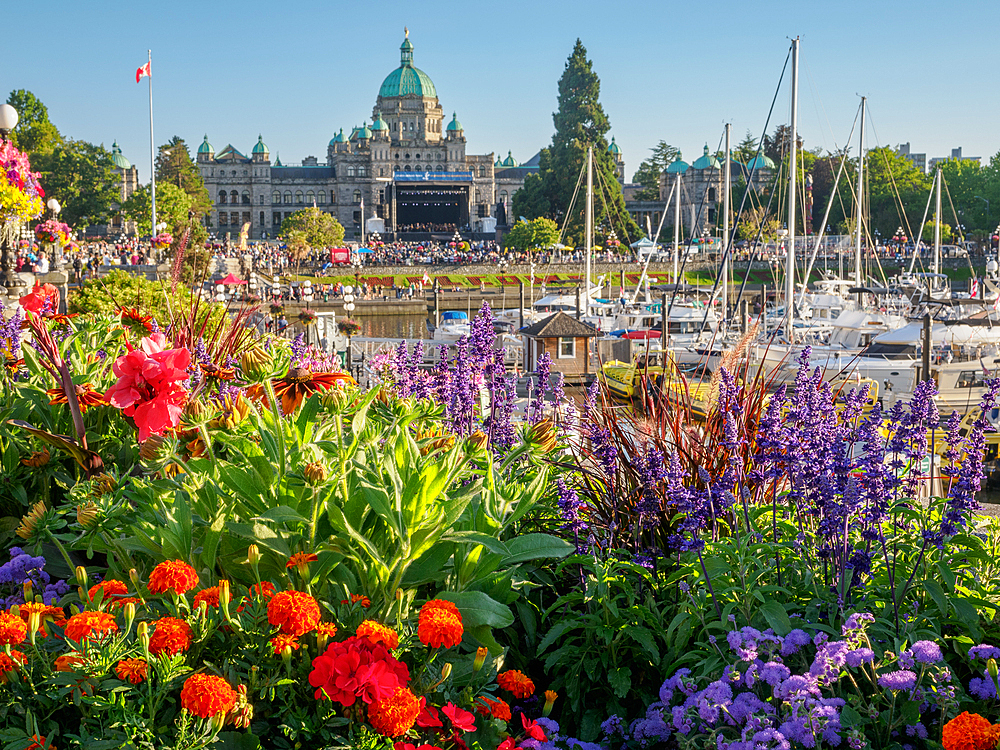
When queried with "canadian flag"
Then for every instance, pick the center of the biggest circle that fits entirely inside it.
(974, 288)
(426, 279)
(143, 72)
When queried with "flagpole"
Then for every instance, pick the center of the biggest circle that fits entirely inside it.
(152, 157)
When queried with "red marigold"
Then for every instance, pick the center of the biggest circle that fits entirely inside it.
(440, 625)
(263, 590)
(301, 558)
(281, 641)
(38, 741)
(172, 575)
(206, 695)
(67, 662)
(10, 663)
(170, 636)
(355, 598)
(210, 596)
(357, 668)
(516, 682)
(90, 625)
(498, 709)
(396, 714)
(132, 670)
(968, 732)
(376, 632)
(120, 603)
(293, 612)
(112, 589)
(326, 628)
(13, 630)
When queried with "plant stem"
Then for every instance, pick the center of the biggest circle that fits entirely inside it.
(279, 425)
(711, 591)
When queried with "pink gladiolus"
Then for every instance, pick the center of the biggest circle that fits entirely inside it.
(149, 385)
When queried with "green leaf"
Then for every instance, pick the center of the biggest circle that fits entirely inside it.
(479, 609)
(474, 537)
(777, 618)
(620, 680)
(535, 546)
(964, 609)
(937, 594)
(557, 632)
(282, 514)
(645, 639)
(850, 718)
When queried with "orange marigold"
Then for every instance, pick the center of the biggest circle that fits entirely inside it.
(377, 633)
(206, 695)
(355, 598)
(132, 670)
(301, 558)
(440, 626)
(263, 590)
(38, 742)
(10, 664)
(293, 612)
(67, 662)
(396, 714)
(498, 709)
(968, 732)
(281, 641)
(90, 625)
(120, 603)
(172, 575)
(326, 628)
(13, 630)
(210, 596)
(171, 636)
(516, 683)
(112, 589)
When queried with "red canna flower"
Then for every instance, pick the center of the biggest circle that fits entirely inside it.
(460, 719)
(532, 729)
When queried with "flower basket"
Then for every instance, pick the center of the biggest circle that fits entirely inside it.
(307, 317)
(52, 232)
(162, 241)
(20, 192)
(349, 327)
(276, 309)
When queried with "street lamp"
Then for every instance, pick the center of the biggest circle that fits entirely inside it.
(348, 309)
(8, 120)
(8, 229)
(55, 208)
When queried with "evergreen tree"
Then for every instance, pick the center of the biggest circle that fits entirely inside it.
(579, 122)
(648, 174)
(174, 165)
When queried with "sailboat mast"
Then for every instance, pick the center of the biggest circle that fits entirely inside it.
(861, 184)
(589, 222)
(937, 225)
(725, 230)
(792, 173)
(677, 224)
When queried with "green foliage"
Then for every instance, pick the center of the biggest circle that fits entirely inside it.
(175, 166)
(531, 235)
(177, 210)
(947, 235)
(118, 289)
(757, 221)
(83, 179)
(648, 174)
(580, 122)
(34, 133)
(311, 228)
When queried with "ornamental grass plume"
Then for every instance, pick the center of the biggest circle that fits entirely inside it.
(171, 636)
(205, 695)
(517, 683)
(440, 624)
(293, 612)
(172, 575)
(85, 625)
(395, 715)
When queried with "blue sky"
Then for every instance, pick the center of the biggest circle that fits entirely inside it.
(298, 72)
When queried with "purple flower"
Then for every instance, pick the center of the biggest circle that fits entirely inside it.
(774, 673)
(927, 652)
(902, 679)
(984, 651)
(797, 686)
(983, 687)
(770, 739)
(860, 656)
(794, 641)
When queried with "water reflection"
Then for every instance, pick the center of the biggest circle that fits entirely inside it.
(394, 326)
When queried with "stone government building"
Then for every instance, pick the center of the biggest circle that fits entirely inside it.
(408, 168)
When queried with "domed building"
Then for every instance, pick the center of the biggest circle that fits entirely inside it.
(406, 174)
(128, 176)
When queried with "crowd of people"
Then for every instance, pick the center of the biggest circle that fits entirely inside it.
(428, 228)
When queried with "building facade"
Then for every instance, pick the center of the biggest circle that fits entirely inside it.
(408, 169)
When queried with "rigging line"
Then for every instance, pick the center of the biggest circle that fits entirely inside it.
(900, 209)
(569, 211)
(918, 240)
(603, 186)
(961, 235)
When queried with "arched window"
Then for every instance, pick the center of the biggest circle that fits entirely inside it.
(276, 197)
(350, 170)
(223, 218)
(234, 197)
(310, 197)
(416, 167)
(222, 196)
(438, 168)
(417, 156)
(503, 197)
(234, 173)
(288, 196)
(357, 196)
(408, 168)
(711, 194)
(362, 172)
(298, 196)
(246, 198)
(321, 197)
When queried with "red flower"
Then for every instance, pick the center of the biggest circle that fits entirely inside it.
(532, 729)
(376, 632)
(507, 744)
(41, 299)
(132, 670)
(293, 612)
(460, 719)
(355, 598)
(149, 385)
(301, 558)
(300, 383)
(90, 625)
(440, 624)
(429, 716)
(357, 668)
(172, 575)
(13, 630)
(516, 682)
(206, 695)
(395, 715)
(210, 596)
(112, 589)
(171, 636)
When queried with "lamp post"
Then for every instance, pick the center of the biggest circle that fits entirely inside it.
(55, 208)
(348, 308)
(8, 229)
(307, 297)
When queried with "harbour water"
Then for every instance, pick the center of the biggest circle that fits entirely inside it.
(395, 326)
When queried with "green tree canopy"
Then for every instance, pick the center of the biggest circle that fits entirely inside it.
(757, 221)
(947, 235)
(120, 289)
(311, 228)
(174, 208)
(34, 133)
(580, 122)
(82, 177)
(174, 165)
(648, 174)
(529, 235)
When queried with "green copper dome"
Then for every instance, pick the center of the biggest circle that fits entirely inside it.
(260, 148)
(498, 163)
(364, 132)
(206, 147)
(118, 159)
(677, 167)
(378, 123)
(613, 147)
(760, 164)
(454, 124)
(407, 80)
(509, 161)
(705, 161)
(339, 138)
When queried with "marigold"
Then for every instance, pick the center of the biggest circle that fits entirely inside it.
(281, 641)
(90, 625)
(206, 695)
(396, 714)
(498, 709)
(113, 589)
(38, 742)
(968, 732)
(440, 626)
(355, 598)
(376, 632)
(13, 630)
(516, 683)
(10, 664)
(263, 590)
(301, 558)
(172, 575)
(119, 603)
(132, 670)
(171, 637)
(328, 629)
(67, 662)
(293, 612)
(210, 596)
